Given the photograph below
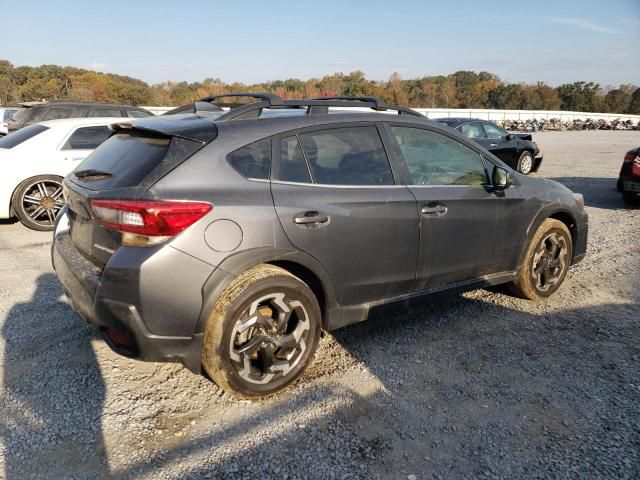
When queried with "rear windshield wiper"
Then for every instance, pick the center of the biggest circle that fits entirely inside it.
(90, 172)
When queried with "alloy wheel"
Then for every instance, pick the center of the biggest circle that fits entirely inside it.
(549, 261)
(270, 338)
(42, 200)
(526, 164)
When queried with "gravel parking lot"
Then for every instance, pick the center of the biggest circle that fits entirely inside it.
(479, 385)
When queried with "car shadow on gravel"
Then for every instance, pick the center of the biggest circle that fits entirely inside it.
(463, 387)
(597, 192)
(52, 391)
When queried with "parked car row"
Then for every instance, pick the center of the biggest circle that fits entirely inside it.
(58, 110)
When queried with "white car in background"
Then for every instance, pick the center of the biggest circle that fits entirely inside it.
(5, 115)
(35, 159)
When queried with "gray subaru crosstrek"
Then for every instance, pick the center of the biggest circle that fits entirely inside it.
(228, 240)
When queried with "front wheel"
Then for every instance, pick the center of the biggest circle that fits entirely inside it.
(261, 333)
(38, 200)
(525, 163)
(546, 262)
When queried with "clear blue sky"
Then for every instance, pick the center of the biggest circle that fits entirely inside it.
(526, 40)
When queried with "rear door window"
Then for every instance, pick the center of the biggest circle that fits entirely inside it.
(254, 160)
(293, 165)
(347, 156)
(87, 138)
(22, 135)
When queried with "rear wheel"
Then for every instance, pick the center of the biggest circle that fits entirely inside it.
(262, 332)
(546, 262)
(525, 163)
(631, 198)
(38, 200)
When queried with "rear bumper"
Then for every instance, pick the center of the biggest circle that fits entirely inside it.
(119, 318)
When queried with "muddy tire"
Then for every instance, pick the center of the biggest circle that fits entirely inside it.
(525, 163)
(37, 202)
(546, 262)
(262, 332)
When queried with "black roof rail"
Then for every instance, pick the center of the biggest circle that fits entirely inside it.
(378, 102)
(271, 98)
(196, 107)
(314, 106)
(375, 103)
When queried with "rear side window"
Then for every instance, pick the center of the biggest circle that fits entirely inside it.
(293, 166)
(347, 156)
(254, 160)
(435, 159)
(87, 138)
(127, 157)
(16, 138)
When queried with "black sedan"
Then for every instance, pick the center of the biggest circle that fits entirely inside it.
(517, 150)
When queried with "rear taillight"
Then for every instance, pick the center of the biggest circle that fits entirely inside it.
(148, 219)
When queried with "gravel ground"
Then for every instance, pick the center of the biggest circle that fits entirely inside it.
(479, 385)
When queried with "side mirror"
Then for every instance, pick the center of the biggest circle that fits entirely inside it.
(501, 178)
(509, 137)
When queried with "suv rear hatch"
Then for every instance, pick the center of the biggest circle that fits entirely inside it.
(122, 169)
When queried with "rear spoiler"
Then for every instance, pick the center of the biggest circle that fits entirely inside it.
(191, 128)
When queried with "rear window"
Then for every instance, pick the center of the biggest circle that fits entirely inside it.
(129, 157)
(16, 138)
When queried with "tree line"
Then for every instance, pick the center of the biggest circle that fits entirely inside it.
(463, 89)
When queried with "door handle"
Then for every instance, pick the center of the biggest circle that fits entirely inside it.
(493, 145)
(434, 209)
(310, 217)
